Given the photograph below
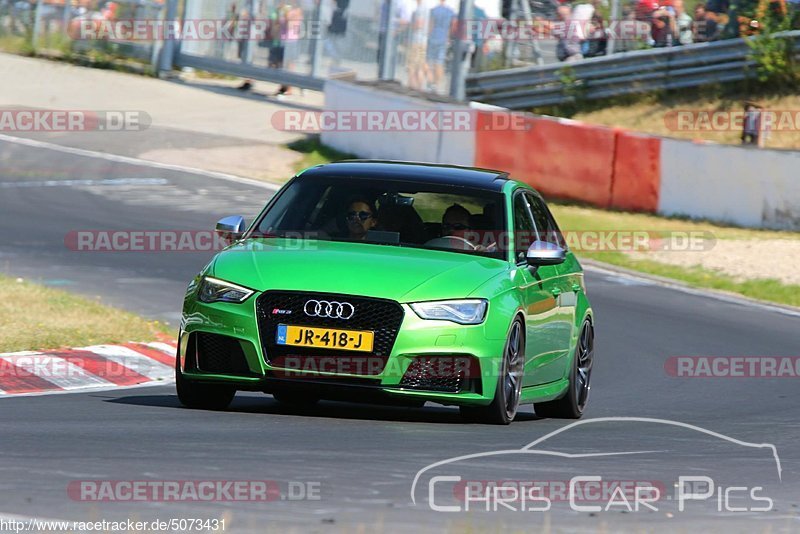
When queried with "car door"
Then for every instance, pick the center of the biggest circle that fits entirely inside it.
(564, 284)
(538, 292)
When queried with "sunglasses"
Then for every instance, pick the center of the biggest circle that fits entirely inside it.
(456, 226)
(358, 215)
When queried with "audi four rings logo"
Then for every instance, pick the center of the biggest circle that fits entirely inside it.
(332, 310)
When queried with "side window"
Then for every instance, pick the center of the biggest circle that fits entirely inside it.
(524, 230)
(560, 241)
(546, 226)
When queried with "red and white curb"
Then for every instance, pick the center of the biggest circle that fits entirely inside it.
(95, 367)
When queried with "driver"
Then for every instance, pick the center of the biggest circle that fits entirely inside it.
(360, 217)
(455, 222)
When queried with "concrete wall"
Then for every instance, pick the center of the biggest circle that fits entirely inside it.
(593, 164)
(744, 186)
(457, 148)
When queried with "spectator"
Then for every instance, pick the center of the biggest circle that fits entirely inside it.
(663, 27)
(291, 41)
(241, 50)
(754, 131)
(644, 10)
(275, 36)
(395, 23)
(718, 6)
(417, 40)
(718, 12)
(442, 21)
(597, 38)
(232, 20)
(477, 37)
(337, 30)
(705, 25)
(684, 23)
(568, 48)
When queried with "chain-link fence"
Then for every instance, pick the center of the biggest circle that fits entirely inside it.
(413, 42)
(417, 43)
(77, 26)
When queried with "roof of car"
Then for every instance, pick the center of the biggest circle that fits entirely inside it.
(413, 172)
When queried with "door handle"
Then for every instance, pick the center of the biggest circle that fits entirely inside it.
(556, 291)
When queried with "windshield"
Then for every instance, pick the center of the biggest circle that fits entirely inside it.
(407, 214)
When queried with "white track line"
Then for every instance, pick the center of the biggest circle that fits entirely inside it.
(696, 291)
(134, 161)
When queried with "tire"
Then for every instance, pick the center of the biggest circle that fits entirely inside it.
(298, 399)
(505, 404)
(573, 403)
(202, 396)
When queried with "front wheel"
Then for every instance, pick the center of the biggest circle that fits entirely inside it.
(203, 396)
(504, 406)
(573, 403)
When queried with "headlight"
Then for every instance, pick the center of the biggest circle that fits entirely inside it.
(215, 290)
(472, 311)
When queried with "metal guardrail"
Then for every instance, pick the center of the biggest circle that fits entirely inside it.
(249, 71)
(626, 73)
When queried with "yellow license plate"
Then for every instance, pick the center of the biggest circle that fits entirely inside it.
(325, 338)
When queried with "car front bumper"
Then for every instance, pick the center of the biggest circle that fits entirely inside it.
(437, 361)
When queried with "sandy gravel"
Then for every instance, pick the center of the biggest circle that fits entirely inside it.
(261, 162)
(740, 259)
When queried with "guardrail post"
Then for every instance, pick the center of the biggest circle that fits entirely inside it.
(168, 48)
(386, 70)
(614, 25)
(249, 47)
(37, 25)
(316, 45)
(66, 15)
(458, 77)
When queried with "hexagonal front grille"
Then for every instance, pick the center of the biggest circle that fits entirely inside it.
(220, 354)
(427, 374)
(383, 317)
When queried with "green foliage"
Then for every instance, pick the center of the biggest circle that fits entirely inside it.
(573, 89)
(315, 153)
(773, 55)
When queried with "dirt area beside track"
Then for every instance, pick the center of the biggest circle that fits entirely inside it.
(741, 259)
(270, 163)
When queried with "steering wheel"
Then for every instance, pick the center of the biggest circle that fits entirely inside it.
(451, 241)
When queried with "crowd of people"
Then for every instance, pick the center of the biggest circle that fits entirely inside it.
(425, 33)
(667, 23)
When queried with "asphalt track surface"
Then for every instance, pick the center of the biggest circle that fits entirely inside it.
(364, 458)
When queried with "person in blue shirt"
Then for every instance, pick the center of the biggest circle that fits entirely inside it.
(441, 24)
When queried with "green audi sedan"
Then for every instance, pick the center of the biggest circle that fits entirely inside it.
(393, 282)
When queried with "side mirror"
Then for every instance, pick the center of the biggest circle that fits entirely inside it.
(543, 253)
(231, 228)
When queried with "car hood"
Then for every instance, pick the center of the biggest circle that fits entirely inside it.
(398, 273)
